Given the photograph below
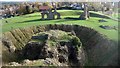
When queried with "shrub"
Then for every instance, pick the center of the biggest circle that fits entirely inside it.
(76, 41)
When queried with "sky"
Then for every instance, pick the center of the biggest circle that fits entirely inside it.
(14, 0)
(60, 0)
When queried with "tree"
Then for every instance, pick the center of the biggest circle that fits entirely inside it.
(54, 6)
(95, 6)
(48, 4)
(27, 7)
(85, 15)
(45, 4)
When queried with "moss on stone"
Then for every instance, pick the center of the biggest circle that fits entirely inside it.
(56, 36)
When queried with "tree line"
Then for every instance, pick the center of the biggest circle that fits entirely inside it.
(31, 7)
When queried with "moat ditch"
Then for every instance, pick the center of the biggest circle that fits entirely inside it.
(93, 48)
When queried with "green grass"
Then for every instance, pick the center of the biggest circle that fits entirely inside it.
(34, 19)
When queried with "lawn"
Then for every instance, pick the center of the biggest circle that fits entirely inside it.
(34, 19)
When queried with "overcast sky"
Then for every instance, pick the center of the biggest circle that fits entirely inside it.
(62, 0)
(14, 0)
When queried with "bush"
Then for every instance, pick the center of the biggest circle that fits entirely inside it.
(76, 41)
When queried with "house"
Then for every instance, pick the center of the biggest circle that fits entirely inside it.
(44, 8)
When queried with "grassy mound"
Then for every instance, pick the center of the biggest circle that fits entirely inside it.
(34, 19)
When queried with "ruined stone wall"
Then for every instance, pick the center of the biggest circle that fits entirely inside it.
(99, 50)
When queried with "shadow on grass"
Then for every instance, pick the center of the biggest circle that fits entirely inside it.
(55, 20)
(98, 15)
(36, 20)
(32, 16)
(72, 18)
(68, 19)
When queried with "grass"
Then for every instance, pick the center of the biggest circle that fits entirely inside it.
(34, 19)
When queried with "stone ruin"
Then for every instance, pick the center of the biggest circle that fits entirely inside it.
(60, 53)
(50, 15)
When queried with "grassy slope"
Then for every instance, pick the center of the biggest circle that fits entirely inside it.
(34, 19)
